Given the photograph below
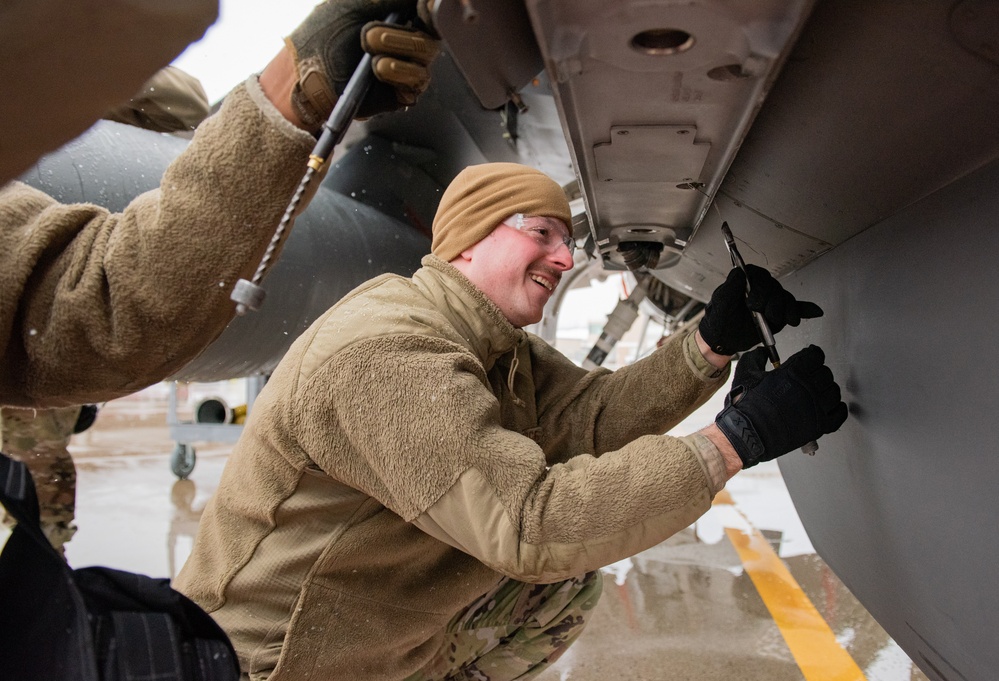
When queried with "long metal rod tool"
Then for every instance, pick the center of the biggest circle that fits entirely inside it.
(249, 295)
(761, 322)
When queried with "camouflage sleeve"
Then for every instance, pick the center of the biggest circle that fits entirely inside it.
(39, 438)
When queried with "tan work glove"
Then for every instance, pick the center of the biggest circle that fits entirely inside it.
(329, 44)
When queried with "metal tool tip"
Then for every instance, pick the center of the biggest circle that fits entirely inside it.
(247, 296)
(726, 231)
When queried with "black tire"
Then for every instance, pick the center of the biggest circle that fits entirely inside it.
(182, 460)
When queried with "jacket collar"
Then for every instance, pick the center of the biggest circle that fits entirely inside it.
(486, 330)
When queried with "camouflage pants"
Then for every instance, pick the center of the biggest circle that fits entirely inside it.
(514, 631)
(39, 438)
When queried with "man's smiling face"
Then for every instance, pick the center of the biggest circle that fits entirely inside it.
(519, 268)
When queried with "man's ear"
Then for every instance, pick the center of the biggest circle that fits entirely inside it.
(462, 261)
(468, 254)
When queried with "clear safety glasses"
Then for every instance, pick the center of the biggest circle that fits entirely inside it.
(549, 232)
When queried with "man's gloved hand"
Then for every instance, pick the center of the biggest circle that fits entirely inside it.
(728, 327)
(329, 44)
(768, 414)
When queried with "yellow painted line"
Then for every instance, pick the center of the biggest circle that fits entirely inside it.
(812, 642)
(723, 498)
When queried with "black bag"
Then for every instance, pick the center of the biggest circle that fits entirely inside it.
(96, 623)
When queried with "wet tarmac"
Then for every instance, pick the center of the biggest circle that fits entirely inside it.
(740, 595)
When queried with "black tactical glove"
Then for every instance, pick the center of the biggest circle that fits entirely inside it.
(728, 327)
(768, 414)
(329, 44)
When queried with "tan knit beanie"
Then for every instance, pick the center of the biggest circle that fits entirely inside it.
(482, 196)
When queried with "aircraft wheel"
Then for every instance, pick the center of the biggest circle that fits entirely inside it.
(182, 460)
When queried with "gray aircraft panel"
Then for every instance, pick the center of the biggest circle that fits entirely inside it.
(901, 502)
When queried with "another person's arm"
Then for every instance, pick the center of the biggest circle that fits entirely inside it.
(64, 64)
(101, 304)
(97, 304)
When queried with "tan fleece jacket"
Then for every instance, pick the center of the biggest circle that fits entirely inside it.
(64, 63)
(96, 305)
(411, 449)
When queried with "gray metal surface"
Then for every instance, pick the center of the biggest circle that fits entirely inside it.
(657, 96)
(337, 244)
(878, 106)
(902, 501)
(870, 180)
(491, 40)
(109, 165)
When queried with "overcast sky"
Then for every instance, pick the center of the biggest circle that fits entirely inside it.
(246, 36)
